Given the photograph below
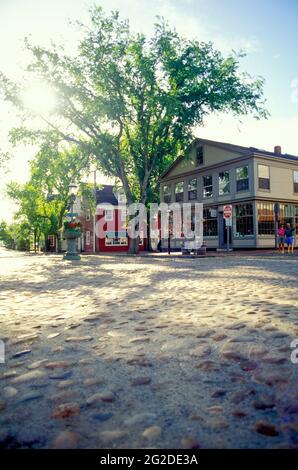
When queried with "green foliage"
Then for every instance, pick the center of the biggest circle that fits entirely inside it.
(6, 235)
(16, 235)
(131, 102)
(52, 171)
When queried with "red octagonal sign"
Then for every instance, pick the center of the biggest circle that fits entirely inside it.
(227, 211)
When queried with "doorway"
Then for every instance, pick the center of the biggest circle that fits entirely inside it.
(223, 232)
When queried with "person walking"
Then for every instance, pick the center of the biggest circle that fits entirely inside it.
(290, 235)
(281, 238)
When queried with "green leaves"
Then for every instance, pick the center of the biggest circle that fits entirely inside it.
(131, 102)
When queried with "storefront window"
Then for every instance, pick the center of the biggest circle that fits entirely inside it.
(242, 180)
(207, 186)
(179, 191)
(224, 183)
(210, 222)
(116, 239)
(244, 220)
(192, 190)
(265, 218)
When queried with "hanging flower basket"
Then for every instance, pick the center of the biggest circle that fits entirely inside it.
(72, 230)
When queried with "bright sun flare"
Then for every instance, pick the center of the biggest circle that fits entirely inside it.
(39, 98)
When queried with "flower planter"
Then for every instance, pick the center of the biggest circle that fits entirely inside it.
(71, 234)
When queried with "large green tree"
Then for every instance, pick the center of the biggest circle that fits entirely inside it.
(44, 199)
(132, 102)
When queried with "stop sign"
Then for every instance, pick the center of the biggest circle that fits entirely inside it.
(228, 211)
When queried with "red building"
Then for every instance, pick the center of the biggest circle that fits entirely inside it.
(111, 221)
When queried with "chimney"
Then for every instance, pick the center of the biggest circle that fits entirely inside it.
(277, 149)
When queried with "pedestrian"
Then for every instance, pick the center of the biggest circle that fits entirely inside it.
(281, 238)
(290, 232)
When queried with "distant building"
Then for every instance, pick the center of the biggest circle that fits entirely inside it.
(111, 213)
(250, 179)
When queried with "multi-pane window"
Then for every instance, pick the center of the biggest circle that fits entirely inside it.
(224, 183)
(295, 181)
(264, 177)
(123, 215)
(88, 215)
(88, 237)
(192, 190)
(116, 239)
(244, 220)
(179, 187)
(167, 193)
(266, 218)
(242, 179)
(210, 222)
(51, 239)
(199, 156)
(109, 215)
(207, 186)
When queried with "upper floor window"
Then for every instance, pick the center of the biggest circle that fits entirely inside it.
(179, 187)
(207, 186)
(199, 156)
(264, 177)
(123, 215)
(167, 193)
(88, 215)
(295, 181)
(121, 197)
(192, 189)
(109, 215)
(242, 180)
(224, 183)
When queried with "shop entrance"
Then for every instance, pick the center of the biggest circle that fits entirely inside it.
(223, 232)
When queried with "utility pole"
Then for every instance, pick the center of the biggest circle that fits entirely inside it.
(94, 215)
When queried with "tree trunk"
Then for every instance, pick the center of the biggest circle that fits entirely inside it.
(34, 240)
(134, 246)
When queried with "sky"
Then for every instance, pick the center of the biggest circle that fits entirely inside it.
(266, 30)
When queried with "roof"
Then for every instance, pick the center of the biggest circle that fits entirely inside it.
(233, 148)
(106, 195)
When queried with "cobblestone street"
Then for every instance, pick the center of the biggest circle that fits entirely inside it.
(128, 352)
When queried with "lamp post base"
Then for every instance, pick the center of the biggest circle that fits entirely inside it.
(72, 257)
(72, 254)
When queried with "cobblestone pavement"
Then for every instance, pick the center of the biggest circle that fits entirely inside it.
(136, 353)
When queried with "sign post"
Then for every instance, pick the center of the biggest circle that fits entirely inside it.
(228, 214)
(276, 214)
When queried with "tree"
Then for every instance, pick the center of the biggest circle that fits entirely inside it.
(133, 102)
(44, 199)
(15, 235)
(6, 235)
(31, 213)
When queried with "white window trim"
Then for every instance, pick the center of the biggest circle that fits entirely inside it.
(123, 214)
(88, 237)
(110, 241)
(52, 240)
(110, 217)
(88, 215)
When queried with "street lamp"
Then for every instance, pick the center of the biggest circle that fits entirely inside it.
(72, 229)
(169, 232)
